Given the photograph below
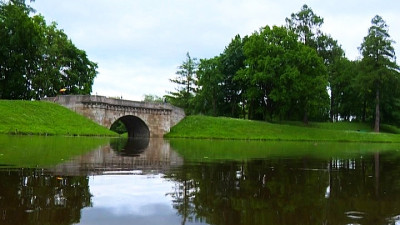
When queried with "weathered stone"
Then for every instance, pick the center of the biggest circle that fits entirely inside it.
(142, 119)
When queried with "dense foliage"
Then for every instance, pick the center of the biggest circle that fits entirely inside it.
(379, 69)
(37, 59)
(295, 72)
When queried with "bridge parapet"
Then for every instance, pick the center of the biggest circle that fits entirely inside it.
(158, 117)
(73, 101)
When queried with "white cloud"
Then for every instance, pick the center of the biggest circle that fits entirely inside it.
(132, 80)
(122, 195)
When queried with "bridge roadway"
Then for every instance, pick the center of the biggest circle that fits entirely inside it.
(142, 119)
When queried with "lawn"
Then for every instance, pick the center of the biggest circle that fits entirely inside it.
(45, 118)
(204, 127)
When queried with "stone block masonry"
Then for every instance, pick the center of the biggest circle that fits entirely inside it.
(142, 119)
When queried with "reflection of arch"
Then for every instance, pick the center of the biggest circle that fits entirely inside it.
(135, 126)
(130, 146)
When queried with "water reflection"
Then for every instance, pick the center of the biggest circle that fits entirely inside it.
(207, 182)
(290, 190)
(155, 158)
(137, 199)
(32, 196)
(130, 146)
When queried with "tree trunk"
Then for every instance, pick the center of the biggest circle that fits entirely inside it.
(377, 112)
(214, 107)
(332, 113)
(364, 113)
(244, 110)
(305, 118)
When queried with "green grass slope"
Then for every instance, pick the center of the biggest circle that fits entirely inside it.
(45, 118)
(228, 128)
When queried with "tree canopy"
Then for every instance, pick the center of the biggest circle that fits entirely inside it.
(38, 59)
(379, 71)
(186, 81)
(296, 72)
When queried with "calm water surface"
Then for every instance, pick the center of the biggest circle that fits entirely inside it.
(57, 180)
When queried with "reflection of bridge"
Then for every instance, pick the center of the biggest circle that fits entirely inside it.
(142, 119)
(156, 158)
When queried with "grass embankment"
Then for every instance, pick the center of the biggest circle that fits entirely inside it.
(45, 118)
(227, 128)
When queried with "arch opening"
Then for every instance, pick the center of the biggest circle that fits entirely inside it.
(135, 127)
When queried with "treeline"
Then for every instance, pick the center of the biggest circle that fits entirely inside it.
(294, 72)
(38, 59)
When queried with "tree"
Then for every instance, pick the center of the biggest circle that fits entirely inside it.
(209, 95)
(186, 81)
(334, 58)
(287, 79)
(218, 92)
(347, 96)
(36, 59)
(63, 65)
(152, 98)
(19, 50)
(232, 60)
(379, 64)
(307, 25)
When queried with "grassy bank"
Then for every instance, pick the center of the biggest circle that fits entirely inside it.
(227, 128)
(45, 118)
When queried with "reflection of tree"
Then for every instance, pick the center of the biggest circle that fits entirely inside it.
(288, 191)
(377, 171)
(369, 189)
(184, 193)
(32, 197)
(257, 192)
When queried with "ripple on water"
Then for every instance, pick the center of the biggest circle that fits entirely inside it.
(355, 215)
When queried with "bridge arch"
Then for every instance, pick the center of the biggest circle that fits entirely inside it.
(143, 119)
(135, 126)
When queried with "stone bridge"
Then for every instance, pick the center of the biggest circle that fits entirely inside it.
(141, 119)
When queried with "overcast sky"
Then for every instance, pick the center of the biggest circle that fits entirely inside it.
(138, 44)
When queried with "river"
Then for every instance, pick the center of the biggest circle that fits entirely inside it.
(75, 180)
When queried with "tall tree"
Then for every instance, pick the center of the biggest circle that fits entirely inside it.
(219, 93)
(288, 79)
(334, 58)
(307, 25)
(19, 50)
(379, 63)
(210, 92)
(232, 60)
(36, 59)
(186, 81)
(347, 95)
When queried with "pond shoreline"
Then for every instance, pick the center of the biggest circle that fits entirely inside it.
(49, 119)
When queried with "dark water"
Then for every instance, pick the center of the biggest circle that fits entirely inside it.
(52, 181)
